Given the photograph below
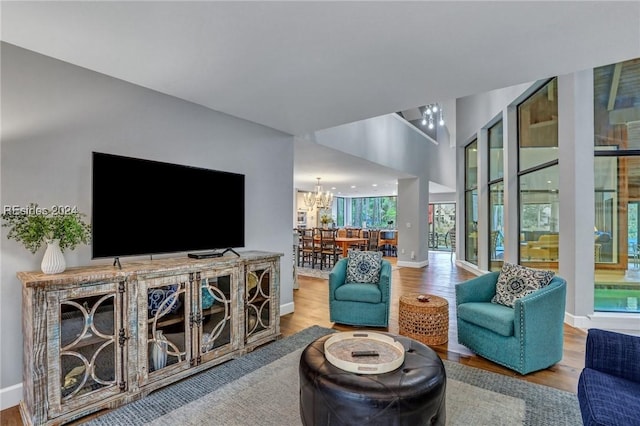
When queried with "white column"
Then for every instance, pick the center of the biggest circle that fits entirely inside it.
(576, 185)
(483, 199)
(412, 222)
(511, 208)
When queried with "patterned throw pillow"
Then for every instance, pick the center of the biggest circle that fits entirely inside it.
(517, 281)
(363, 266)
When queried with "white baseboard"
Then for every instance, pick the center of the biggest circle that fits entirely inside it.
(405, 264)
(10, 396)
(470, 267)
(287, 308)
(606, 321)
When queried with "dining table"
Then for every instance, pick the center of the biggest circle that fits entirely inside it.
(346, 242)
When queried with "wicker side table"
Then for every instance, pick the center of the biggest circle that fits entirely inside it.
(427, 322)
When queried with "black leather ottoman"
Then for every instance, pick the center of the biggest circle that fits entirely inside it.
(414, 394)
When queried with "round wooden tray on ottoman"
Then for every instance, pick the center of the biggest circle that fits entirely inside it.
(424, 317)
(412, 394)
(364, 352)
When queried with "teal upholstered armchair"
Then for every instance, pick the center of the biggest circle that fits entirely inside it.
(525, 338)
(359, 304)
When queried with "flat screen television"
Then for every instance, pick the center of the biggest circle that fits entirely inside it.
(144, 207)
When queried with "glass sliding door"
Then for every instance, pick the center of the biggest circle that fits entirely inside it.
(442, 220)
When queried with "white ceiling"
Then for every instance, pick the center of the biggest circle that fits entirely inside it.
(339, 172)
(300, 66)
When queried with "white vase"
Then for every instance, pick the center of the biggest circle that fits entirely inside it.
(159, 351)
(53, 260)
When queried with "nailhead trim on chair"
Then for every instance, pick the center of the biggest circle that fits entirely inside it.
(522, 335)
(524, 305)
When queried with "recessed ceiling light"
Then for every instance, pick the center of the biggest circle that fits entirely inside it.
(353, 186)
(374, 184)
(333, 187)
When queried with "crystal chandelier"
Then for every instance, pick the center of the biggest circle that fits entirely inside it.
(429, 115)
(324, 200)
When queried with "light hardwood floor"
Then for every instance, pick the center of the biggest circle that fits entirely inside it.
(439, 278)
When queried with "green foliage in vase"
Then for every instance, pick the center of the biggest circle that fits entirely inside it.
(34, 226)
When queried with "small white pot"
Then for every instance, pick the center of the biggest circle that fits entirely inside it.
(53, 261)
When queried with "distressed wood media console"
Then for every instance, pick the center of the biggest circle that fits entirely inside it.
(99, 337)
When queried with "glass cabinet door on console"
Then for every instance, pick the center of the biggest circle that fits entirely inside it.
(214, 317)
(86, 345)
(164, 326)
(260, 311)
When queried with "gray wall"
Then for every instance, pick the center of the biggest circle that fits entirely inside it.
(443, 197)
(390, 142)
(55, 114)
(475, 111)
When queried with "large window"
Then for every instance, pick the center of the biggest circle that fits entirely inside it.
(340, 214)
(373, 212)
(496, 197)
(539, 216)
(538, 178)
(617, 186)
(538, 127)
(471, 202)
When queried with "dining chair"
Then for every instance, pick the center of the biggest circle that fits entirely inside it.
(452, 241)
(374, 235)
(433, 240)
(329, 249)
(388, 242)
(353, 232)
(364, 245)
(307, 251)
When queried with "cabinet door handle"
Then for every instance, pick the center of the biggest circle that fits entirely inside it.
(122, 337)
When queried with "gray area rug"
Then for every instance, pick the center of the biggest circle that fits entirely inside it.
(262, 388)
(315, 273)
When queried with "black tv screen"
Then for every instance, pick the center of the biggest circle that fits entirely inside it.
(143, 207)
